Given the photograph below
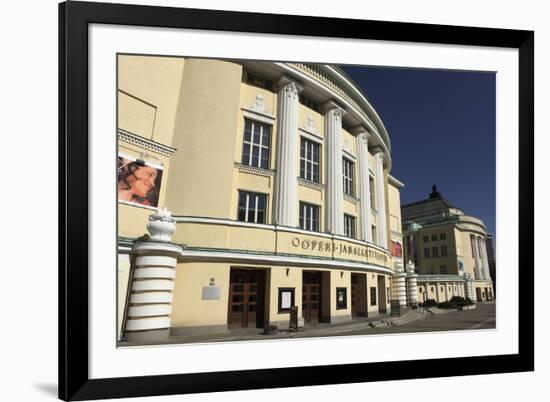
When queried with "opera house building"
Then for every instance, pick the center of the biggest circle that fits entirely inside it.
(447, 249)
(248, 189)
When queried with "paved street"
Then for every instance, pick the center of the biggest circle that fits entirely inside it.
(483, 317)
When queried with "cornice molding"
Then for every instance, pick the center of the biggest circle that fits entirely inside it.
(311, 184)
(255, 170)
(134, 139)
(262, 117)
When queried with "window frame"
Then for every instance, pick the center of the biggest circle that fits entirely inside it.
(426, 252)
(301, 217)
(348, 179)
(372, 191)
(261, 146)
(246, 209)
(310, 163)
(353, 220)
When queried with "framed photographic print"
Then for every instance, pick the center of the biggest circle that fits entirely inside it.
(224, 173)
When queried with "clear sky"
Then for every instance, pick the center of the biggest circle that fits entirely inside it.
(442, 130)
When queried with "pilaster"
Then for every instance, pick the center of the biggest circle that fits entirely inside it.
(364, 185)
(285, 211)
(335, 190)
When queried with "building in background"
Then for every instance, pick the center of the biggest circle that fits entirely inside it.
(447, 249)
(277, 179)
(492, 260)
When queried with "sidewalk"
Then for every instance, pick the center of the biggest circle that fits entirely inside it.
(320, 329)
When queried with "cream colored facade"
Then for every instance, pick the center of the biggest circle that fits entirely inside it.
(447, 249)
(323, 245)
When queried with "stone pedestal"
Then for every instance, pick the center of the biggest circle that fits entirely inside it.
(469, 289)
(399, 291)
(412, 296)
(152, 284)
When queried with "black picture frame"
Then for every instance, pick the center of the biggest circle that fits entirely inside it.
(281, 309)
(74, 380)
(341, 303)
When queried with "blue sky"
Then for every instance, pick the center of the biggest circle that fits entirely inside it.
(443, 131)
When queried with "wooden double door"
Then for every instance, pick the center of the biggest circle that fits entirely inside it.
(246, 298)
(311, 296)
(359, 295)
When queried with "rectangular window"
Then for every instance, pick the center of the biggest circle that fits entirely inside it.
(426, 252)
(444, 251)
(349, 226)
(426, 239)
(435, 251)
(442, 236)
(373, 296)
(256, 80)
(347, 169)
(374, 238)
(309, 160)
(309, 217)
(443, 270)
(434, 237)
(307, 102)
(371, 189)
(252, 207)
(256, 141)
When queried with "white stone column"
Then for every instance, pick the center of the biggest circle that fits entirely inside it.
(150, 309)
(412, 295)
(469, 290)
(485, 258)
(364, 183)
(399, 289)
(287, 153)
(480, 257)
(335, 188)
(477, 268)
(381, 200)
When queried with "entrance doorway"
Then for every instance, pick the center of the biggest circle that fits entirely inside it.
(311, 296)
(382, 295)
(478, 295)
(246, 298)
(359, 295)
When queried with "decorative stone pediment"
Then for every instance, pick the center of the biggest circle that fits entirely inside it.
(258, 105)
(309, 126)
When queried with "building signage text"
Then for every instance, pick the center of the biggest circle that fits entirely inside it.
(340, 250)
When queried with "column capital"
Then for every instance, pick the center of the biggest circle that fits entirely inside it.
(333, 105)
(378, 151)
(361, 131)
(287, 83)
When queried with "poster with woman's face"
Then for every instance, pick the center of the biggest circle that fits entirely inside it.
(138, 181)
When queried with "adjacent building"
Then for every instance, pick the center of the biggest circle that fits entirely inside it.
(447, 249)
(492, 260)
(278, 194)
